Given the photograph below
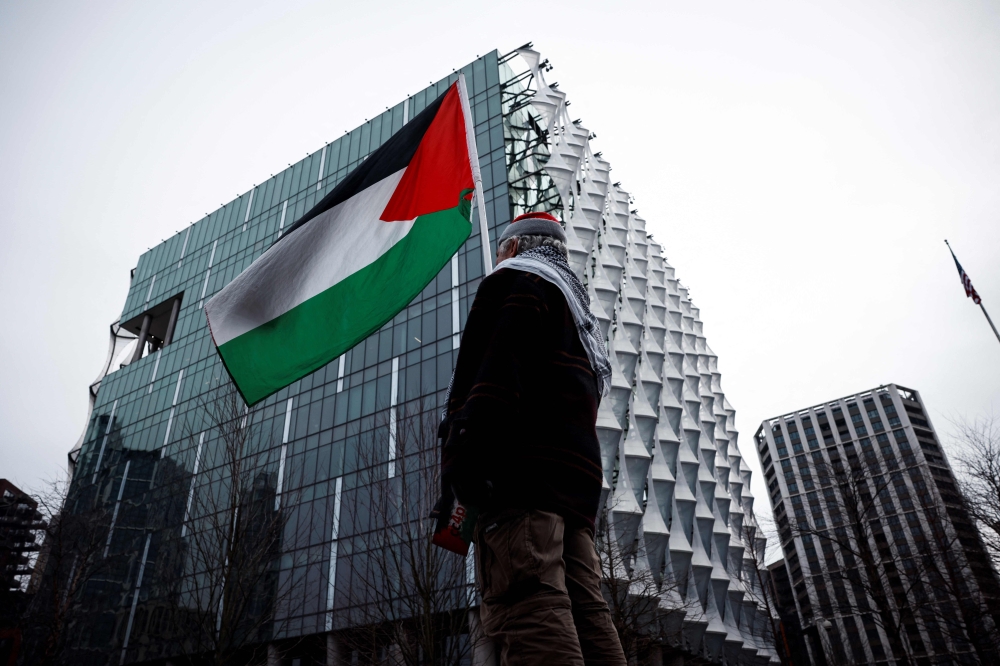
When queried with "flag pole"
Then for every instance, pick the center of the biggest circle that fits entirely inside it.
(990, 320)
(477, 176)
(981, 306)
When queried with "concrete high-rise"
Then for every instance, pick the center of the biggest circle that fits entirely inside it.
(885, 564)
(19, 523)
(677, 489)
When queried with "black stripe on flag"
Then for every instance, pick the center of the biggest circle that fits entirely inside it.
(394, 155)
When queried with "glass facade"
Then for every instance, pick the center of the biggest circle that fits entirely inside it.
(676, 487)
(148, 425)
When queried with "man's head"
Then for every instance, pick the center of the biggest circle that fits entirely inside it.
(529, 231)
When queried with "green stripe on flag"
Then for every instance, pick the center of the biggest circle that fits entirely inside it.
(307, 337)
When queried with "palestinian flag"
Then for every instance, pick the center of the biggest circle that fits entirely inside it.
(356, 259)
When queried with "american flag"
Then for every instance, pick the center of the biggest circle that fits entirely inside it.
(970, 291)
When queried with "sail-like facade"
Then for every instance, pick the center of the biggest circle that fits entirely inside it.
(675, 481)
(676, 486)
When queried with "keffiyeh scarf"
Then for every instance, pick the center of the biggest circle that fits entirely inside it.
(548, 263)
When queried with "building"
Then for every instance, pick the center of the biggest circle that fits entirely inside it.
(885, 565)
(677, 488)
(19, 523)
(791, 636)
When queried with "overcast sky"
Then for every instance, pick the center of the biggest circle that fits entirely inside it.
(801, 164)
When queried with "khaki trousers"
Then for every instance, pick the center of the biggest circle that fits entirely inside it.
(541, 589)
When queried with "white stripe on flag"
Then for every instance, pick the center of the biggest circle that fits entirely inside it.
(299, 267)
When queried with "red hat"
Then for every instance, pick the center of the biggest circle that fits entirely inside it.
(534, 224)
(537, 215)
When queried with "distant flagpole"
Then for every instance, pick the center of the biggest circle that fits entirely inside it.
(989, 320)
(970, 291)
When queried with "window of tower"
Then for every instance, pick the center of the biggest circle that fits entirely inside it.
(155, 327)
(907, 452)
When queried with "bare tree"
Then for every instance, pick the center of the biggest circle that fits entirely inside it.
(858, 554)
(900, 588)
(646, 604)
(948, 576)
(979, 460)
(20, 525)
(754, 575)
(409, 601)
(73, 541)
(219, 576)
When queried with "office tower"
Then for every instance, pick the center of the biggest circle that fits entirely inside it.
(790, 635)
(885, 565)
(19, 522)
(676, 486)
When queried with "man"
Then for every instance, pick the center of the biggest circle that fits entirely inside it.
(520, 444)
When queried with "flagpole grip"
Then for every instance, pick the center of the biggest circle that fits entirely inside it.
(477, 177)
(484, 231)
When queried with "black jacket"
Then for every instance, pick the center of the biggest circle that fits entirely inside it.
(519, 430)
